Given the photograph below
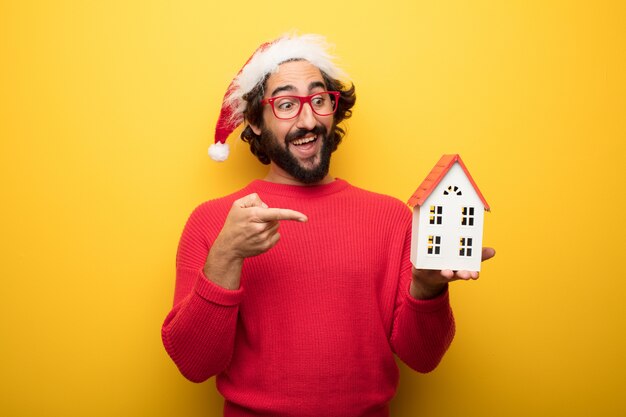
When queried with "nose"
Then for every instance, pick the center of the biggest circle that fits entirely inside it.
(306, 118)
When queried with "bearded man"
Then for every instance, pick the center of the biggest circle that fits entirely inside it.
(308, 325)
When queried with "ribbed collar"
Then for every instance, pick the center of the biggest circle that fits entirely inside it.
(297, 191)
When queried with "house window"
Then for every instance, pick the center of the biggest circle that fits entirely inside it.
(436, 215)
(465, 246)
(467, 216)
(434, 245)
(453, 189)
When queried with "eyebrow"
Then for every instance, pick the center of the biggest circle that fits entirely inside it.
(291, 88)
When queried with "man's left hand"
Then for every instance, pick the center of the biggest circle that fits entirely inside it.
(430, 283)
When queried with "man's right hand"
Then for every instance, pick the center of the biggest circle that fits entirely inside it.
(250, 229)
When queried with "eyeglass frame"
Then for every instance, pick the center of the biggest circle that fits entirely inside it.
(303, 100)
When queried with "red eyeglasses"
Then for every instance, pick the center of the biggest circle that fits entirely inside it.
(289, 107)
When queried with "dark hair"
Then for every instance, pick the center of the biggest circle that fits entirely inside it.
(254, 115)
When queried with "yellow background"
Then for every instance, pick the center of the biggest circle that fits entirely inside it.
(107, 109)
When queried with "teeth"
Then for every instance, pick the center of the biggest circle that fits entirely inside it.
(303, 140)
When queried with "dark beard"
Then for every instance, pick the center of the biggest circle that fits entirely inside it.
(288, 162)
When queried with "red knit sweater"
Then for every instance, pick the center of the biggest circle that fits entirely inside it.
(313, 328)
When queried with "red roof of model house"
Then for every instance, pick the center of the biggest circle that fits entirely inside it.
(436, 175)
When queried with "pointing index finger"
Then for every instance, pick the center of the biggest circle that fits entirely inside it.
(274, 214)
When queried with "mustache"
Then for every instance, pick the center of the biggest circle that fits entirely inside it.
(297, 134)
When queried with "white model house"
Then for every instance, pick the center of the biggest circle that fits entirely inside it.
(448, 214)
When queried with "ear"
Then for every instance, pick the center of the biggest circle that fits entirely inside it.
(255, 129)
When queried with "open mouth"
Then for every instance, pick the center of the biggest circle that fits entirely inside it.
(305, 147)
(304, 141)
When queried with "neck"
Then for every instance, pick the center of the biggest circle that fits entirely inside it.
(279, 176)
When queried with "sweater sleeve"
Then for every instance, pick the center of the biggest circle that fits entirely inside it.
(199, 331)
(422, 329)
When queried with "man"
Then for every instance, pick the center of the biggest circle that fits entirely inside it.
(305, 322)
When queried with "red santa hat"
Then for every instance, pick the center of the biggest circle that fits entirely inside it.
(265, 60)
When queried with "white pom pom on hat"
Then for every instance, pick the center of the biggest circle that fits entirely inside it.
(219, 151)
(266, 60)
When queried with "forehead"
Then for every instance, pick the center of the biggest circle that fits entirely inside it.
(294, 76)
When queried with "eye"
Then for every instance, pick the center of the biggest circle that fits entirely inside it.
(284, 104)
(318, 101)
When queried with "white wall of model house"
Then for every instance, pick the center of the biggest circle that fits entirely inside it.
(448, 226)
